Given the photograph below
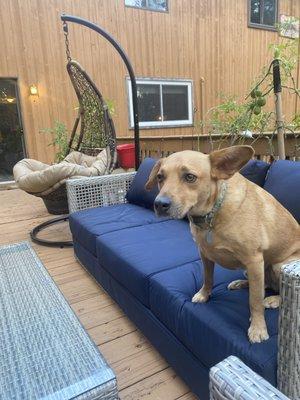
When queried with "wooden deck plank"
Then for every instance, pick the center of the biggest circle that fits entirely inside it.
(79, 289)
(164, 385)
(94, 304)
(112, 329)
(127, 345)
(56, 269)
(141, 372)
(104, 315)
(187, 396)
(18, 206)
(71, 276)
(136, 367)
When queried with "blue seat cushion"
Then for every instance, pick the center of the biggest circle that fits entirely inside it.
(256, 171)
(88, 224)
(216, 329)
(133, 255)
(137, 194)
(283, 182)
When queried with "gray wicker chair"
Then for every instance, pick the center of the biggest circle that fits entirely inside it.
(231, 379)
(226, 383)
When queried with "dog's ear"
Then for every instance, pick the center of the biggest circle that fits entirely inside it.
(152, 177)
(226, 162)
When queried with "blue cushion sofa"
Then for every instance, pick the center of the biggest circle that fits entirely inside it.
(150, 266)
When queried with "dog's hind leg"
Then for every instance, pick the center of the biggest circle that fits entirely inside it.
(238, 284)
(272, 301)
(272, 276)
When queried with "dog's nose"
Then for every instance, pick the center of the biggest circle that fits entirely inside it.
(162, 204)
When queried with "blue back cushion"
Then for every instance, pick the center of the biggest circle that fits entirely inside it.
(137, 194)
(283, 182)
(255, 171)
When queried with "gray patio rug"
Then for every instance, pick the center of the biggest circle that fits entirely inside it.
(44, 351)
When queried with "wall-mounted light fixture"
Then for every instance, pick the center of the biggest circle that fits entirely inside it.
(33, 90)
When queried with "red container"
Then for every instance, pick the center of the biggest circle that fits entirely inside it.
(126, 155)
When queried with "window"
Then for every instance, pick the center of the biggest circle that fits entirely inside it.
(154, 5)
(263, 14)
(162, 102)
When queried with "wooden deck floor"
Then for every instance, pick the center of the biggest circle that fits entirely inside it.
(141, 372)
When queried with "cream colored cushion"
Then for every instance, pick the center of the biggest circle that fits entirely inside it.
(41, 179)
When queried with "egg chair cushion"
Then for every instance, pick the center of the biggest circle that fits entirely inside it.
(40, 179)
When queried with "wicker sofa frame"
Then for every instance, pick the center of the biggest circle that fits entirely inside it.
(108, 190)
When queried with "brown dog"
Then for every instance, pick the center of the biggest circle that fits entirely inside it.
(235, 222)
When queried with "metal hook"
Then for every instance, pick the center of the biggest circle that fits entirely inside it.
(65, 27)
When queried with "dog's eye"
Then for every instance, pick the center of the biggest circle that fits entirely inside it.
(160, 177)
(190, 178)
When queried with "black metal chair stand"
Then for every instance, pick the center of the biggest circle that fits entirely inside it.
(44, 242)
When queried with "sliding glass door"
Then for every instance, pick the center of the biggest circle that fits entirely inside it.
(12, 147)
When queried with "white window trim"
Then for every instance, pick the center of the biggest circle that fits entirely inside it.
(162, 124)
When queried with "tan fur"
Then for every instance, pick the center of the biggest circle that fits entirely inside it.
(252, 229)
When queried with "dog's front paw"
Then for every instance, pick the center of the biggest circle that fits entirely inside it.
(200, 297)
(257, 333)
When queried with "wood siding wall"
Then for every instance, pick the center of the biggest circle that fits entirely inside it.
(196, 38)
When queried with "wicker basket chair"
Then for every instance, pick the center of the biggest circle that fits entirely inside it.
(96, 139)
(97, 134)
(96, 126)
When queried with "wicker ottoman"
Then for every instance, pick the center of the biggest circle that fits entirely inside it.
(44, 351)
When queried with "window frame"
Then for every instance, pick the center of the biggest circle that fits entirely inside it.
(161, 81)
(263, 26)
(149, 8)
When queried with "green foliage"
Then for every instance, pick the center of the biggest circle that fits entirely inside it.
(111, 106)
(60, 139)
(93, 137)
(295, 123)
(287, 53)
(233, 116)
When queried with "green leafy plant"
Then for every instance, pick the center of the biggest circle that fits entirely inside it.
(93, 138)
(95, 125)
(239, 118)
(111, 106)
(60, 139)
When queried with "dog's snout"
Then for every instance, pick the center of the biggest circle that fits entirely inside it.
(162, 204)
